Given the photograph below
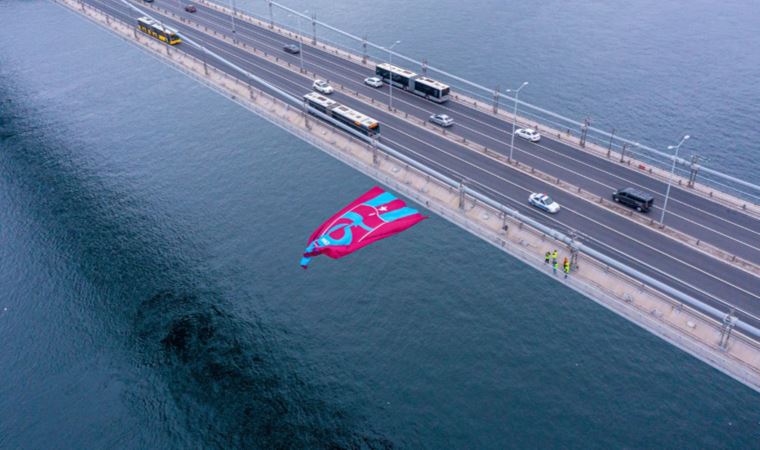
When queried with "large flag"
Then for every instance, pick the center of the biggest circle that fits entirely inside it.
(373, 216)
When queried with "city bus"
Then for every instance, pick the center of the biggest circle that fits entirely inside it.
(158, 30)
(347, 116)
(421, 85)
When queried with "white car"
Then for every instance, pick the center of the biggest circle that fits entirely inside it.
(543, 201)
(375, 82)
(323, 87)
(443, 120)
(528, 133)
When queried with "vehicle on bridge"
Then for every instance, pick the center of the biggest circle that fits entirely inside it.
(158, 30)
(375, 82)
(291, 48)
(543, 201)
(528, 133)
(191, 8)
(405, 79)
(634, 198)
(322, 86)
(443, 120)
(347, 116)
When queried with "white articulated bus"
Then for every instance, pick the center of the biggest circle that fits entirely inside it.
(354, 119)
(405, 79)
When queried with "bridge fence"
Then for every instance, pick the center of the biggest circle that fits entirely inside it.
(470, 189)
(485, 96)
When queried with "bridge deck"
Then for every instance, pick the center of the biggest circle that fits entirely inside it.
(682, 266)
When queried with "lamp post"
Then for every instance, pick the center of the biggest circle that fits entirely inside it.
(300, 38)
(232, 17)
(390, 81)
(670, 179)
(514, 118)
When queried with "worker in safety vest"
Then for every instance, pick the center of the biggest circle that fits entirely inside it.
(566, 265)
(547, 257)
(554, 256)
(555, 264)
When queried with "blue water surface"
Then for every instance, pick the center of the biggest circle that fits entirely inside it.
(150, 230)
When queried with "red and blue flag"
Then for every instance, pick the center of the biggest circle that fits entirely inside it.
(373, 216)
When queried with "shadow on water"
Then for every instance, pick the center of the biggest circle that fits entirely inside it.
(231, 383)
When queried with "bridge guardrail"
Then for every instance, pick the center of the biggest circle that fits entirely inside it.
(682, 298)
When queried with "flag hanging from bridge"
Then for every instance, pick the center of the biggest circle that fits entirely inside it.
(373, 216)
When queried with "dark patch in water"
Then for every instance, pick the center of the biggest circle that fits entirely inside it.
(231, 382)
(251, 396)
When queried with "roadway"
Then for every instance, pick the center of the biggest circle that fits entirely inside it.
(695, 215)
(711, 281)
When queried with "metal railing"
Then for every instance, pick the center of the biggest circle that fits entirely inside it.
(487, 95)
(476, 194)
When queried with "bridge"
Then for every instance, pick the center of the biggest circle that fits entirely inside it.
(707, 246)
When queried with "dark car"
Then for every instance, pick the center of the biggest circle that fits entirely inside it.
(291, 48)
(191, 8)
(634, 198)
(148, 1)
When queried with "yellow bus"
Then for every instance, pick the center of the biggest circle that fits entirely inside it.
(158, 30)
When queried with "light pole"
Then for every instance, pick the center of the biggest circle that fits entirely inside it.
(232, 17)
(670, 179)
(300, 38)
(514, 118)
(390, 81)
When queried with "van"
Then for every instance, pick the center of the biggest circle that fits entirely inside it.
(634, 198)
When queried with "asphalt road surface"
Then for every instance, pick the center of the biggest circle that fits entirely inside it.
(712, 281)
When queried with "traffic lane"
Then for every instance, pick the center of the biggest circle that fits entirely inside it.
(689, 200)
(491, 141)
(589, 218)
(386, 118)
(751, 315)
(389, 116)
(515, 197)
(512, 196)
(711, 229)
(347, 71)
(478, 116)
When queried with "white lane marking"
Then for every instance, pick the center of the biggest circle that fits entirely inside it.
(566, 208)
(253, 29)
(516, 185)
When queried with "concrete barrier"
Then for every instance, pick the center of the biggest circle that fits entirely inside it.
(715, 342)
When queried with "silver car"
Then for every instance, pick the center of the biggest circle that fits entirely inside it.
(375, 82)
(442, 120)
(529, 134)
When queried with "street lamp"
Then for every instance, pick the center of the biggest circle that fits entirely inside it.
(390, 81)
(232, 17)
(670, 179)
(514, 118)
(300, 38)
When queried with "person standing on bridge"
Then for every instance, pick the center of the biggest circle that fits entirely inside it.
(555, 264)
(547, 257)
(554, 256)
(566, 267)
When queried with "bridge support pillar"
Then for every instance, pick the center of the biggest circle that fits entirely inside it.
(424, 66)
(461, 194)
(305, 114)
(584, 131)
(725, 330)
(496, 92)
(364, 49)
(609, 147)
(271, 16)
(693, 169)
(622, 153)
(314, 28)
(574, 251)
(375, 156)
